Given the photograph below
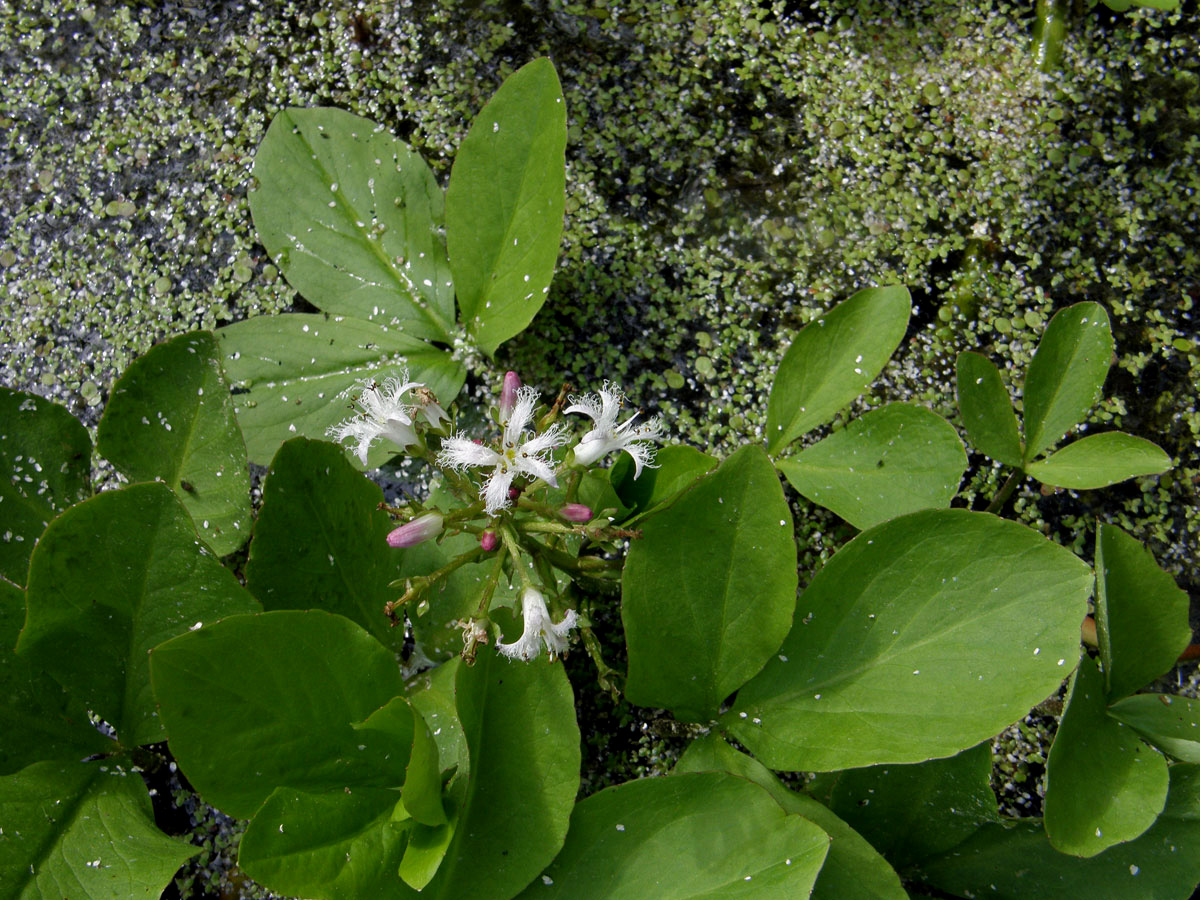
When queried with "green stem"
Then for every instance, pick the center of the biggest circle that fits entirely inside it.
(1014, 478)
(1049, 29)
(608, 677)
(489, 586)
(514, 550)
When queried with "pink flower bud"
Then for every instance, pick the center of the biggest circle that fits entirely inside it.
(415, 532)
(514, 493)
(488, 541)
(576, 512)
(508, 394)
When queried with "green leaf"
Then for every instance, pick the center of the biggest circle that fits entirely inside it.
(887, 463)
(1066, 374)
(707, 593)
(677, 466)
(1016, 862)
(170, 418)
(833, 360)
(1098, 460)
(321, 540)
(1172, 724)
(289, 373)
(253, 703)
(853, 869)
(987, 410)
(685, 837)
(909, 813)
(919, 638)
(38, 719)
(427, 846)
(74, 831)
(93, 616)
(335, 845)
(513, 809)
(433, 697)
(1103, 785)
(1141, 615)
(351, 215)
(47, 456)
(505, 205)
(415, 759)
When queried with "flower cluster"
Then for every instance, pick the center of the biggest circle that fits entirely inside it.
(517, 509)
(384, 412)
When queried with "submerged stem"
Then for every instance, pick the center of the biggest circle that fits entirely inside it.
(1049, 30)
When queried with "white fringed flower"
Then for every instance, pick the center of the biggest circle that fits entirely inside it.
(383, 412)
(539, 629)
(607, 436)
(518, 455)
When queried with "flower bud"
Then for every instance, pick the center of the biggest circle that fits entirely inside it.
(576, 512)
(415, 532)
(508, 395)
(488, 541)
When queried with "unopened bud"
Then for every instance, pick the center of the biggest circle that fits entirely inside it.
(508, 395)
(488, 541)
(576, 512)
(417, 531)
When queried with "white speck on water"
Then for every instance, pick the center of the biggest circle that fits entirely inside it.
(620, 828)
(333, 187)
(748, 877)
(547, 880)
(281, 828)
(783, 522)
(816, 696)
(782, 658)
(742, 715)
(1062, 662)
(916, 671)
(1099, 833)
(495, 127)
(292, 427)
(1037, 650)
(526, 277)
(1133, 870)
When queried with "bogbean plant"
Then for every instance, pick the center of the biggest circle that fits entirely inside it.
(442, 758)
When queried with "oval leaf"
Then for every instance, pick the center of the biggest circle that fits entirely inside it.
(1014, 861)
(505, 205)
(685, 837)
(47, 456)
(833, 360)
(253, 703)
(38, 719)
(170, 418)
(351, 217)
(289, 372)
(887, 463)
(327, 846)
(909, 813)
(708, 592)
(513, 809)
(853, 869)
(1066, 374)
(320, 541)
(1141, 615)
(1103, 785)
(1172, 724)
(1098, 460)
(73, 830)
(94, 616)
(920, 638)
(986, 409)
